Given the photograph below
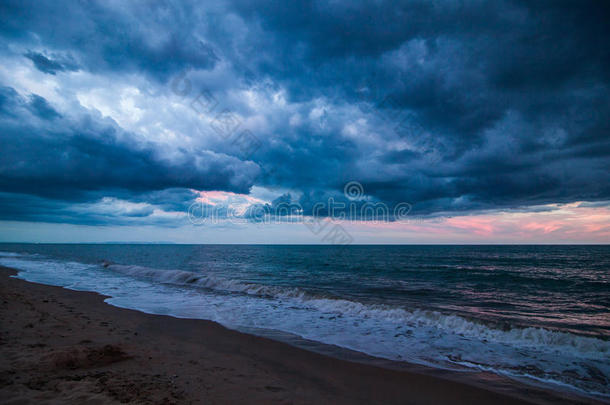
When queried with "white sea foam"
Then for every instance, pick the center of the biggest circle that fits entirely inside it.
(539, 338)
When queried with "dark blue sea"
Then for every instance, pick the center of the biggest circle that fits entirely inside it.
(534, 313)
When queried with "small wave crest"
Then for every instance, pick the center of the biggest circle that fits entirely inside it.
(10, 254)
(180, 277)
(531, 337)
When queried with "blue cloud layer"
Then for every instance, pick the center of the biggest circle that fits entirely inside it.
(449, 107)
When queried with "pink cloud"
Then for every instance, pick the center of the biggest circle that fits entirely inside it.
(558, 223)
(478, 225)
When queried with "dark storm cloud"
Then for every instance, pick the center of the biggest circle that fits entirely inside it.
(50, 155)
(153, 38)
(511, 99)
(100, 211)
(467, 105)
(40, 107)
(459, 67)
(50, 66)
(171, 199)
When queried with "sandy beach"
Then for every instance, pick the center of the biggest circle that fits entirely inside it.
(63, 346)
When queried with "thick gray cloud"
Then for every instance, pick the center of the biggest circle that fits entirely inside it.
(51, 66)
(504, 104)
(49, 155)
(447, 106)
(153, 38)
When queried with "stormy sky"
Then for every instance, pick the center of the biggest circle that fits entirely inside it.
(121, 115)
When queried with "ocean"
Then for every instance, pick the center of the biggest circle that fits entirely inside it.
(540, 314)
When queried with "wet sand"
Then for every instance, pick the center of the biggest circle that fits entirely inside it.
(63, 346)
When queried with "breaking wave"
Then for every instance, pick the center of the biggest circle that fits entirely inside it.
(530, 337)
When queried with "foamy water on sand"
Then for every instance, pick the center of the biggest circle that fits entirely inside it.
(540, 313)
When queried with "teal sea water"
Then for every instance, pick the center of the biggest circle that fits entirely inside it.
(538, 313)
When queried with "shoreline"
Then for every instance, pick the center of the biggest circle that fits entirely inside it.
(70, 346)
